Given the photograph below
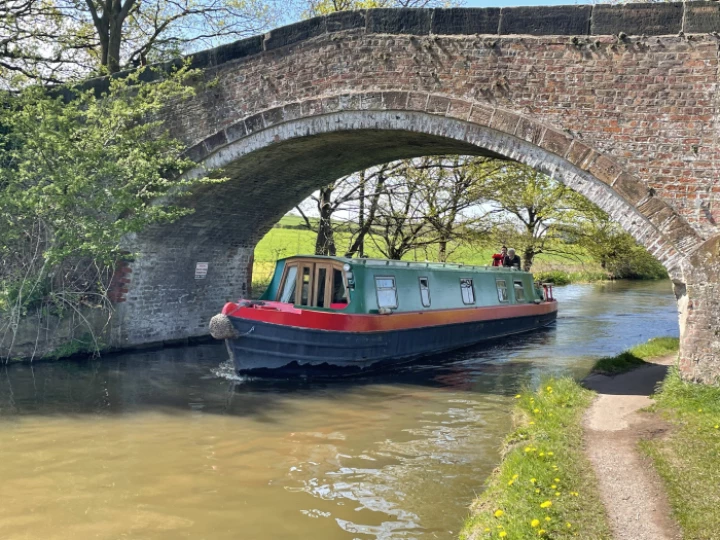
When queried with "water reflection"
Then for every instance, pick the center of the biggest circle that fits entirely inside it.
(168, 444)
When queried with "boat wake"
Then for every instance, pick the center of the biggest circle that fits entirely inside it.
(226, 371)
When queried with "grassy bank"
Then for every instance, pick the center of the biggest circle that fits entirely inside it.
(636, 356)
(544, 486)
(688, 459)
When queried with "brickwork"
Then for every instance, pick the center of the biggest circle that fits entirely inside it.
(618, 102)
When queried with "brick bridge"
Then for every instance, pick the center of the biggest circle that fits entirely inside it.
(618, 102)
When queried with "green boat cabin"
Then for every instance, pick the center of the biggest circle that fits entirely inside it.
(372, 286)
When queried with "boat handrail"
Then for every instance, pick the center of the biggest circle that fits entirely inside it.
(418, 264)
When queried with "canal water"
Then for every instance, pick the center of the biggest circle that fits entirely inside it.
(169, 445)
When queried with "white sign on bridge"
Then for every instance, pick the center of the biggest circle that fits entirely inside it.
(201, 269)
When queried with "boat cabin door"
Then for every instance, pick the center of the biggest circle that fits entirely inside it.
(323, 286)
(314, 284)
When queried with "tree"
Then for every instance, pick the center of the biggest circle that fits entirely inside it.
(431, 201)
(450, 187)
(615, 250)
(75, 178)
(324, 7)
(362, 189)
(533, 211)
(57, 40)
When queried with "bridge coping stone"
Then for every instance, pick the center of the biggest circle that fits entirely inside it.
(579, 20)
(663, 19)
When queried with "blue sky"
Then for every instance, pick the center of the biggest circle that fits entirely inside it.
(508, 3)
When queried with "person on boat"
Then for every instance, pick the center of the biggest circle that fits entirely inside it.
(511, 260)
(498, 258)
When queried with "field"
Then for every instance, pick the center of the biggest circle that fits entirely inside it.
(283, 241)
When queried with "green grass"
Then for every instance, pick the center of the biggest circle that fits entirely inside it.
(636, 356)
(543, 463)
(688, 460)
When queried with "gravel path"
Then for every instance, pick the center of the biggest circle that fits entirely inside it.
(632, 492)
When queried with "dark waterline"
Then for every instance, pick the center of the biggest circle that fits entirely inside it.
(169, 444)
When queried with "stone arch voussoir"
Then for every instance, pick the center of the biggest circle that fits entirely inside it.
(597, 176)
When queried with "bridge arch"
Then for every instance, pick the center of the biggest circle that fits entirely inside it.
(276, 158)
(379, 130)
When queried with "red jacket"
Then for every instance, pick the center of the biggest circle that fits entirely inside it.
(497, 259)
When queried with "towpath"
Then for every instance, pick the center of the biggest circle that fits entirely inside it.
(631, 490)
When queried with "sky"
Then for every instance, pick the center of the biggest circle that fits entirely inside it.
(509, 3)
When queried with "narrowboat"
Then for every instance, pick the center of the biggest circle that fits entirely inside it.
(335, 311)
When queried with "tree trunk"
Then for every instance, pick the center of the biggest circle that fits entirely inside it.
(361, 216)
(442, 251)
(325, 242)
(114, 42)
(369, 221)
(528, 256)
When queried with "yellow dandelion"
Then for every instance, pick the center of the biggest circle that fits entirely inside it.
(537, 491)
(553, 486)
(531, 423)
(547, 518)
(568, 525)
(699, 410)
(535, 523)
(511, 482)
(503, 534)
(541, 532)
(533, 480)
(557, 480)
(557, 493)
(541, 454)
(546, 504)
(536, 411)
(717, 426)
(518, 396)
(498, 513)
(487, 530)
(550, 454)
(516, 476)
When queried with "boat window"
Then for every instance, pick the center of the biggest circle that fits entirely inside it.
(425, 291)
(339, 294)
(466, 288)
(320, 287)
(386, 292)
(519, 291)
(288, 291)
(502, 290)
(305, 287)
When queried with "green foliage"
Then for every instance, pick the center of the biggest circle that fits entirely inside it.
(76, 177)
(543, 463)
(325, 7)
(615, 250)
(688, 459)
(533, 212)
(635, 357)
(565, 277)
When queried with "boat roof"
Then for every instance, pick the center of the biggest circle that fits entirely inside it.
(403, 264)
